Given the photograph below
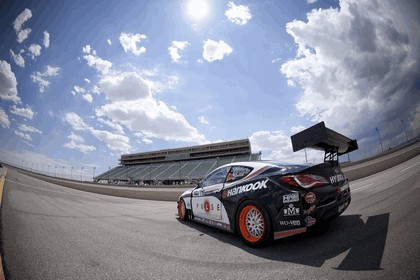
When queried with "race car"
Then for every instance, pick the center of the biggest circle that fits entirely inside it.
(262, 201)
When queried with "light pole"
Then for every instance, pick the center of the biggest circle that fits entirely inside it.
(380, 140)
(109, 174)
(55, 171)
(71, 173)
(63, 172)
(93, 174)
(48, 170)
(81, 176)
(406, 134)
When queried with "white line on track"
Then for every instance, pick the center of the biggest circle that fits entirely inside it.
(49, 190)
(410, 166)
(361, 188)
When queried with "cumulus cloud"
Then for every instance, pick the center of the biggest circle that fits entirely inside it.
(18, 58)
(175, 48)
(129, 43)
(76, 143)
(88, 97)
(28, 128)
(22, 34)
(238, 14)
(25, 136)
(277, 146)
(8, 83)
(213, 50)
(34, 50)
(203, 120)
(115, 142)
(23, 112)
(4, 119)
(101, 65)
(357, 65)
(46, 39)
(42, 78)
(133, 106)
(109, 42)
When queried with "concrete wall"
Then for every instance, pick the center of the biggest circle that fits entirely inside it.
(165, 193)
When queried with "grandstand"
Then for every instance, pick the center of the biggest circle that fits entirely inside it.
(177, 166)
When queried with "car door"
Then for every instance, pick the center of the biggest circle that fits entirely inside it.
(206, 198)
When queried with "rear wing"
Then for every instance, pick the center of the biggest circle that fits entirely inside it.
(320, 137)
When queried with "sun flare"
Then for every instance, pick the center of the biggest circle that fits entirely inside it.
(198, 9)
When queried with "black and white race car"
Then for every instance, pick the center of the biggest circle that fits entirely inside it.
(262, 201)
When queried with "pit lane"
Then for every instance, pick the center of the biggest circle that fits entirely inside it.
(52, 232)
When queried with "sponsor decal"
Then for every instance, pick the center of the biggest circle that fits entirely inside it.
(310, 197)
(290, 223)
(310, 221)
(207, 206)
(248, 187)
(292, 197)
(310, 210)
(291, 210)
(336, 178)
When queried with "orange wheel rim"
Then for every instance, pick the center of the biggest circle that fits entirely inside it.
(181, 209)
(251, 224)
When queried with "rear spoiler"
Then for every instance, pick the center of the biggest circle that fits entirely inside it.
(320, 137)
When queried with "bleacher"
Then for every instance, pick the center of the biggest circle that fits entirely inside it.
(177, 166)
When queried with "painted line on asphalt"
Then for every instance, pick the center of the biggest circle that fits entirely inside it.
(3, 179)
(411, 166)
(361, 188)
(49, 190)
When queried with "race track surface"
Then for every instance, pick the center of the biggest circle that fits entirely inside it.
(53, 232)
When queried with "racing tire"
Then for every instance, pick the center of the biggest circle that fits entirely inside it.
(182, 210)
(253, 224)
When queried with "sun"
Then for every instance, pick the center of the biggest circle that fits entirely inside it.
(197, 10)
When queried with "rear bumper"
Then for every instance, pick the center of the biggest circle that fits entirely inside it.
(322, 213)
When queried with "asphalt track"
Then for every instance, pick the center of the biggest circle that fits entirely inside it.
(53, 232)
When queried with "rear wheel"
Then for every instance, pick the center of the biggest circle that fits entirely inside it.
(182, 210)
(253, 224)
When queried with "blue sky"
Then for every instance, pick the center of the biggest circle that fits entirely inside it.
(82, 82)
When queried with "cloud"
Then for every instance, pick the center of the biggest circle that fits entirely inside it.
(35, 50)
(129, 43)
(46, 39)
(101, 65)
(133, 106)
(23, 135)
(76, 121)
(203, 120)
(28, 128)
(109, 42)
(42, 78)
(23, 112)
(357, 65)
(117, 128)
(87, 80)
(175, 48)
(115, 142)
(88, 97)
(238, 14)
(76, 144)
(311, 1)
(213, 50)
(277, 146)
(4, 119)
(22, 34)
(18, 58)
(8, 83)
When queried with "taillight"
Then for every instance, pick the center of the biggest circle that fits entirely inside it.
(304, 180)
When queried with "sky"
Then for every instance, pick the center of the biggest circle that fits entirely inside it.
(82, 82)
